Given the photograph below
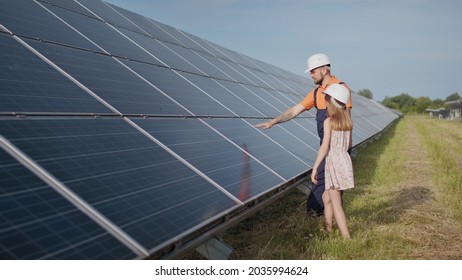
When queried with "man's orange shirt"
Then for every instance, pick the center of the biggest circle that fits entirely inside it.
(308, 101)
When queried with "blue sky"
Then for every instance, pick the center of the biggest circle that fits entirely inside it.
(390, 47)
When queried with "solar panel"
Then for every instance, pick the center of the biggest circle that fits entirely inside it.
(195, 100)
(122, 137)
(124, 175)
(237, 102)
(254, 96)
(111, 81)
(31, 85)
(232, 167)
(38, 223)
(259, 144)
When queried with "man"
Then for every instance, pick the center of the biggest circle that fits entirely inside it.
(318, 65)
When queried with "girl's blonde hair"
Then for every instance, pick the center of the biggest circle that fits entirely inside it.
(339, 117)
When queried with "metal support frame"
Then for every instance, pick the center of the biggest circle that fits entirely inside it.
(215, 249)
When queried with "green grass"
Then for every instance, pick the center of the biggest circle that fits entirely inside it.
(443, 141)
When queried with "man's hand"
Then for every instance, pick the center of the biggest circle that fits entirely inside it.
(265, 125)
(289, 114)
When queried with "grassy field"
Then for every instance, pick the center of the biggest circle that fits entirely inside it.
(443, 141)
(406, 204)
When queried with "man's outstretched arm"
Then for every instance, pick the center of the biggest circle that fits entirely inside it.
(289, 114)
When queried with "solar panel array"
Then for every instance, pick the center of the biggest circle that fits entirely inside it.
(120, 135)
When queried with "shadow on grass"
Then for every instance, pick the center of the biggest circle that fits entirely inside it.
(391, 207)
(381, 207)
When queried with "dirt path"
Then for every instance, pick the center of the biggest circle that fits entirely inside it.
(426, 222)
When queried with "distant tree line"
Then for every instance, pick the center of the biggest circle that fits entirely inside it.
(408, 104)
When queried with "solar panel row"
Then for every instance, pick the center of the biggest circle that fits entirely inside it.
(121, 135)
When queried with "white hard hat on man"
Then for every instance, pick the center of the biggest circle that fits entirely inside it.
(316, 60)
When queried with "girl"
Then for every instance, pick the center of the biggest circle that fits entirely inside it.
(334, 147)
